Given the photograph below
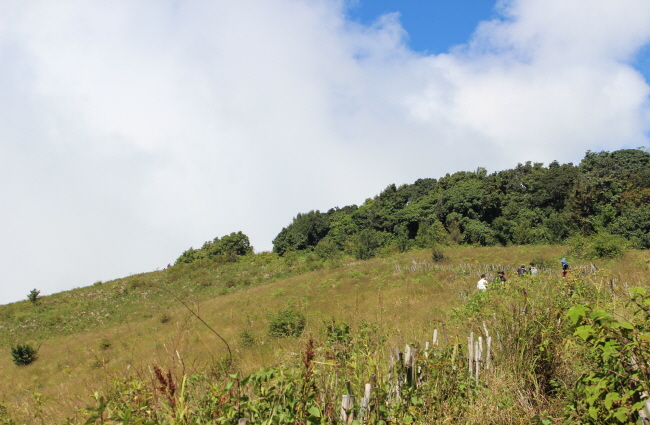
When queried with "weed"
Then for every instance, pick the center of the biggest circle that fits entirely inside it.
(246, 338)
(287, 323)
(165, 317)
(438, 254)
(104, 344)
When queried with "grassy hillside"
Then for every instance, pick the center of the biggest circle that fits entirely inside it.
(110, 335)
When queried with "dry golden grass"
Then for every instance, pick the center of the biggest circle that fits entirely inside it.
(406, 295)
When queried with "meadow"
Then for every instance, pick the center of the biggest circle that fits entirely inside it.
(192, 343)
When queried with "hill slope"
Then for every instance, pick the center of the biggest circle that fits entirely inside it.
(89, 337)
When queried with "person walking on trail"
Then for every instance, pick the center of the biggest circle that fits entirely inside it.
(521, 271)
(565, 267)
(482, 284)
(501, 278)
(533, 270)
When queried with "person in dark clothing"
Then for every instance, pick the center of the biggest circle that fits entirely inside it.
(521, 271)
(501, 278)
(565, 267)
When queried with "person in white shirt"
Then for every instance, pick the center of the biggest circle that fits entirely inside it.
(482, 284)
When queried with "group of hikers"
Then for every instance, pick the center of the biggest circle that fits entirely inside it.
(521, 272)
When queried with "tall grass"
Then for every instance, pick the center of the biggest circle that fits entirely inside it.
(387, 303)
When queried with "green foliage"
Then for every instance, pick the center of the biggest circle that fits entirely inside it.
(246, 338)
(529, 204)
(366, 244)
(33, 296)
(23, 354)
(305, 232)
(438, 254)
(229, 247)
(611, 390)
(337, 332)
(601, 245)
(288, 322)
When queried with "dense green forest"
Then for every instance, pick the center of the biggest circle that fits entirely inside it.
(607, 193)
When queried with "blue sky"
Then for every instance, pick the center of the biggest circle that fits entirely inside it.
(433, 25)
(132, 131)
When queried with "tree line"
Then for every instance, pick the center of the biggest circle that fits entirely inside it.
(608, 193)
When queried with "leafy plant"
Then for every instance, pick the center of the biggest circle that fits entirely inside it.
(246, 338)
(33, 296)
(602, 245)
(612, 388)
(438, 254)
(287, 323)
(23, 354)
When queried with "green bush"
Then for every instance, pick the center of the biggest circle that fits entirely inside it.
(338, 333)
(246, 338)
(23, 354)
(287, 323)
(438, 254)
(602, 245)
(33, 295)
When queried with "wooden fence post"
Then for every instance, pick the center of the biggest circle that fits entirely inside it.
(487, 356)
(347, 403)
(365, 402)
(470, 352)
(477, 356)
(453, 357)
(444, 334)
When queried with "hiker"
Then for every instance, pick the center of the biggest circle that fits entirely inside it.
(501, 278)
(565, 267)
(482, 284)
(521, 271)
(533, 270)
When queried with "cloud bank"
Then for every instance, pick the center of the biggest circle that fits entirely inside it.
(132, 130)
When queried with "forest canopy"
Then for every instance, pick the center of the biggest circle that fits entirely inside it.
(607, 193)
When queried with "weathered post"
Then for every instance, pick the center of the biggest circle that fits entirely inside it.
(347, 404)
(444, 334)
(487, 356)
(477, 356)
(470, 352)
(365, 402)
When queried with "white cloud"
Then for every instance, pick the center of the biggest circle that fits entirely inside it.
(130, 131)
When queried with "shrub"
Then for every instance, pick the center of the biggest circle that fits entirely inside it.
(602, 245)
(338, 333)
(104, 344)
(246, 338)
(23, 354)
(287, 323)
(437, 254)
(543, 263)
(34, 295)
(165, 317)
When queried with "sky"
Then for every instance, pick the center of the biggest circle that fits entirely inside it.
(132, 130)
